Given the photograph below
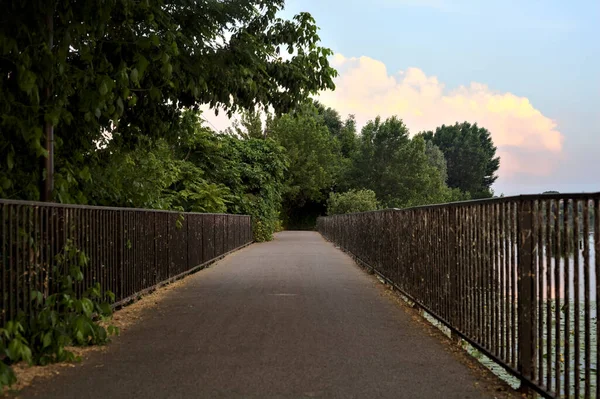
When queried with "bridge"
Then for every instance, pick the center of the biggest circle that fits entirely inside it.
(514, 278)
(290, 318)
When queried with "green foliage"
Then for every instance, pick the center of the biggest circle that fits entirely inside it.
(57, 320)
(352, 201)
(250, 126)
(157, 175)
(470, 155)
(278, 226)
(314, 158)
(7, 375)
(437, 159)
(122, 69)
(343, 131)
(122, 85)
(262, 231)
(312, 153)
(253, 170)
(199, 171)
(396, 167)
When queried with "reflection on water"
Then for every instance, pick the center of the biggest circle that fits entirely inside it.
(558, 288)
(566, 318)
(545, 271)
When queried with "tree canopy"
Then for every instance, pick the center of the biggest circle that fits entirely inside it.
(121, 83)
(470, 156)
(313, 155)
(124, 69)
(396, 167)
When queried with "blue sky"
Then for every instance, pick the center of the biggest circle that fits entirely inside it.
(542, 53)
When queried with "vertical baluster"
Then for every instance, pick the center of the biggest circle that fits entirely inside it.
(541, 215)
(586, 297)
(576, 286)
(557, 308)
(567, 306)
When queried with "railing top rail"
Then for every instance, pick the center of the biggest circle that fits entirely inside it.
(524, 197)
(106, 208)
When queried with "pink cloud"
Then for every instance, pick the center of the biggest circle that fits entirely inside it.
(528, 141)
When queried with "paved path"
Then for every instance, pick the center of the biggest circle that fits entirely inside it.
(292, 318)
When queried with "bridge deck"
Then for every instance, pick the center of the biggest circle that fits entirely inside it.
(286, 319)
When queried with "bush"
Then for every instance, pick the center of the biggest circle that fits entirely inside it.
(60, 320)
(262, 230)
(352, 201)
(278, 226)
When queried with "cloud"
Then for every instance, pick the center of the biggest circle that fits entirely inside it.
(528, 142)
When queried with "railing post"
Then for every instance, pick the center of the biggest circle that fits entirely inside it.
(452, 268)
(120, 257)
(526, 291)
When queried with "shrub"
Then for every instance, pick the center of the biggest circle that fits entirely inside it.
(352, 201)
(60, 320)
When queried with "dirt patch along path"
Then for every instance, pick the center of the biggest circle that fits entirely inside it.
(291, 318)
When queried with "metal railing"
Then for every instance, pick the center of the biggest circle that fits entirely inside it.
(129, 251)
(516, 277)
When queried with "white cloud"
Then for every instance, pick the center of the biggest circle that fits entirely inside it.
(528, 141)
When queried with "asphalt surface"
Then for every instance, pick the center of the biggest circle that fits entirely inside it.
(292, 318)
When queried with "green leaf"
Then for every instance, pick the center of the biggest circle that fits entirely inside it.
(5, 182)
(47, 341)
(133, 76)
(120, 106)
(36, 296)
(87, 306)
(7, 376)
(132, 100)
(27, 81)
(10, 160)
(110, 295)
(155, 93)
(85, 175)
(103, 89)
(53, 318)
(142, 64)
(106, 309)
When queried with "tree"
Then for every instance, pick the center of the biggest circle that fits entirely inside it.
(123, 69)
(331, 118)
(253, 170)
(437, 159)
(197, 171)
(314, 163)
(352, 201)
(343, 131)
(396, 167)
(470, 155)
(153, 176)
(250, 125)
(348, 138)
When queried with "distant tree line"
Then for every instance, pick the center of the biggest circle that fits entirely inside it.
(329, 156)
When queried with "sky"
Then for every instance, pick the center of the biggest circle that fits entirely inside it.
(528, 71)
